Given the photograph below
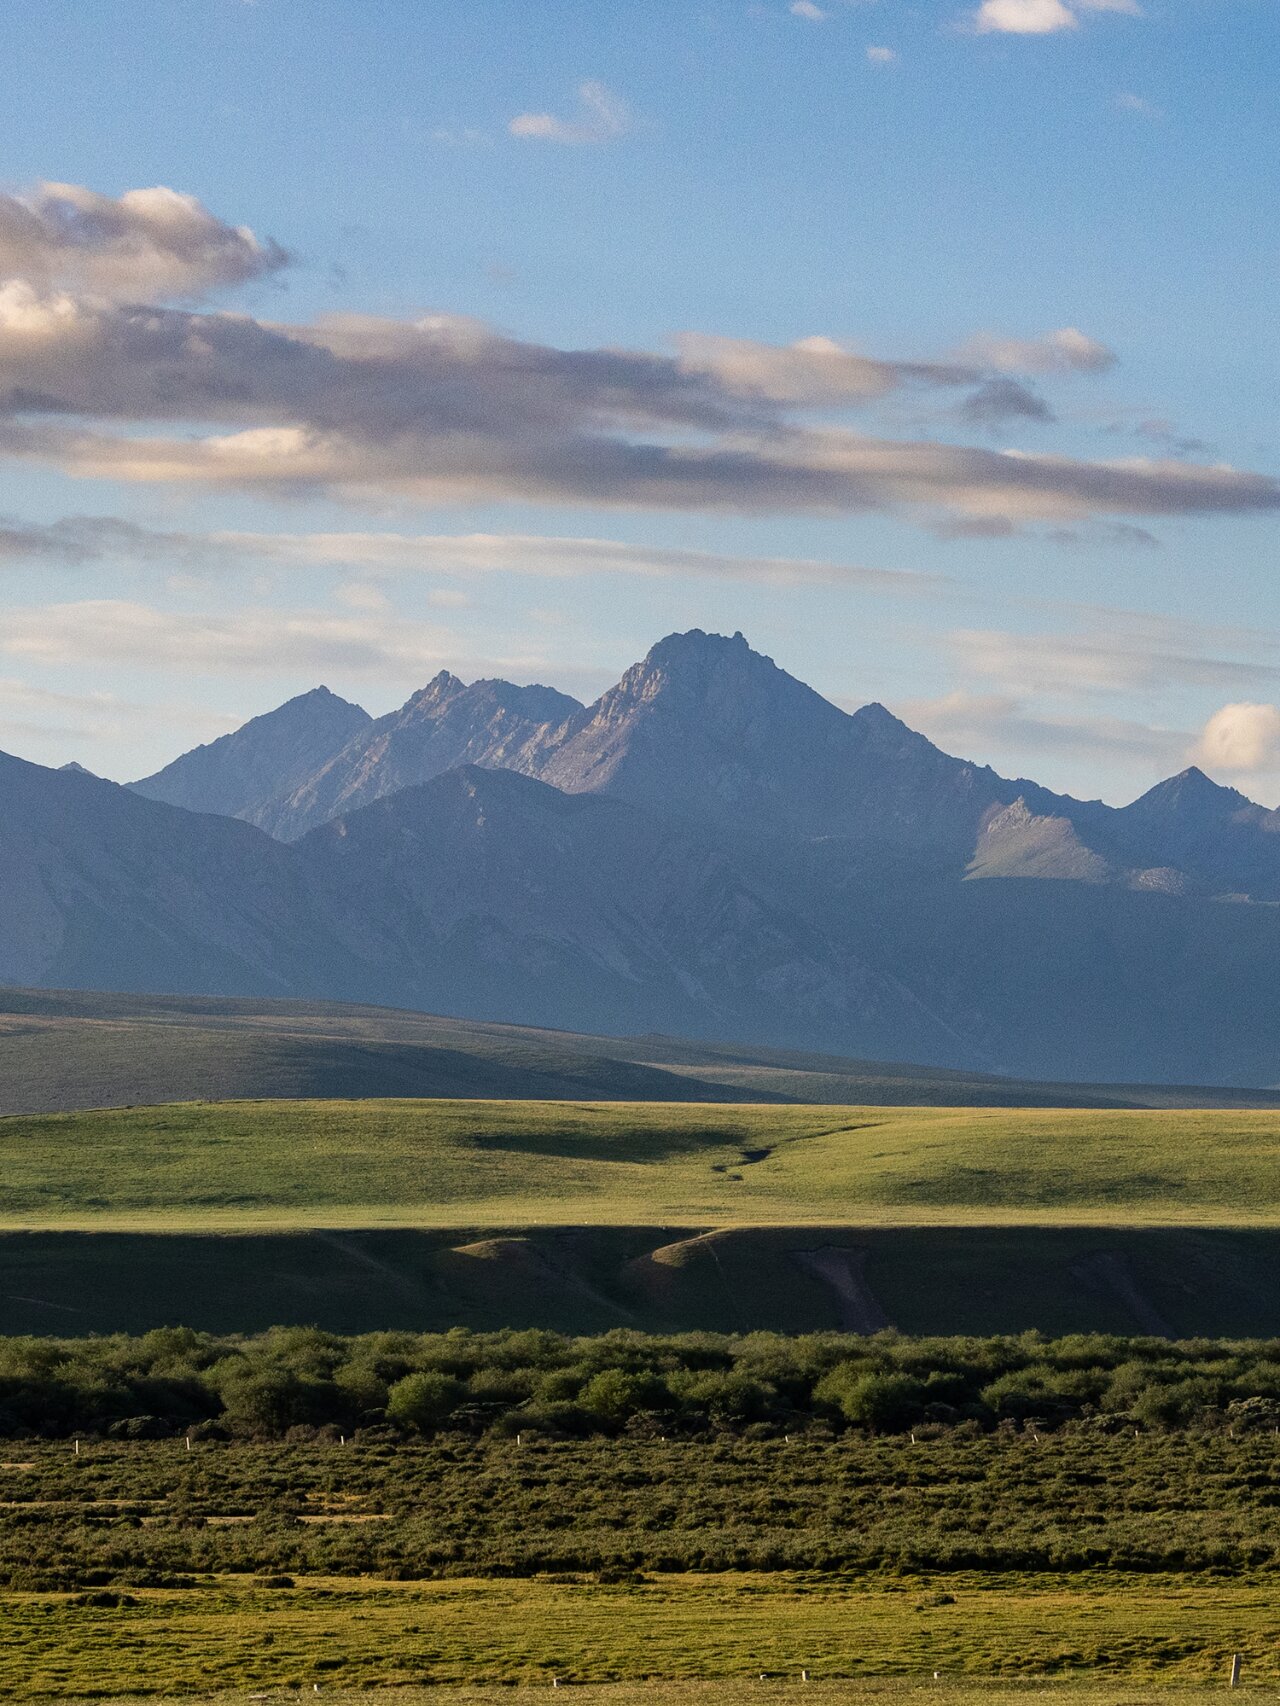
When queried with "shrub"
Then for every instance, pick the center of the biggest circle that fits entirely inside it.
(881, 1403)
(424, 1401)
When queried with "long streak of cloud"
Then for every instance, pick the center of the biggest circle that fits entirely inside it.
(73, 540)
(444, 409)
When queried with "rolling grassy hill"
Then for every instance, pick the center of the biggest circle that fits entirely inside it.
(273, 1165)
(584, 1216)
(67, 1049)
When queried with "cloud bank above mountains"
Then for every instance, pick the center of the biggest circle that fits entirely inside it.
(96, 363)
(116, 363)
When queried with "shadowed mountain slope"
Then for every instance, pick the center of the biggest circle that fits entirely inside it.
(490, 893)
(105, 887)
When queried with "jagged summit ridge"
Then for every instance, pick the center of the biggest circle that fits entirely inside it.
(705, 728)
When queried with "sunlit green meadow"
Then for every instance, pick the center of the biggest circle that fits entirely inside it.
(254, 1165)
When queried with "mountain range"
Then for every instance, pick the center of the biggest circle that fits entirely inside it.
(710, 848)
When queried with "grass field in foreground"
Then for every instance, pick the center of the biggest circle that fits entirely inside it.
(860, 1692)
(228, 1633)
(246, 1165)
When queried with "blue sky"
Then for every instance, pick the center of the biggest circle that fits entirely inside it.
(541, 276)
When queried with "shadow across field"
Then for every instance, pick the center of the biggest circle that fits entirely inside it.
(975, 1279)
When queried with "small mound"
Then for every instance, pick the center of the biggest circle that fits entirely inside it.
(509, 1252)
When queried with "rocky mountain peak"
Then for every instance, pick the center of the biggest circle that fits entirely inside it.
(236, 773)
(732, 692)
(1188, 795)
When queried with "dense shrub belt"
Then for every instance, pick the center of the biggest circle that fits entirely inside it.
(536, 1383)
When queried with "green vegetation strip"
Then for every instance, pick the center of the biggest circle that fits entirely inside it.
(682, 1387)
(487, 1164)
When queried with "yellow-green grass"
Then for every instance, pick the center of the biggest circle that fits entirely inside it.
(483, 1164)
(865, 1691)
(228, 1633)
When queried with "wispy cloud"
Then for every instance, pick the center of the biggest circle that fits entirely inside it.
(882, 56)
(1120, 657)
(602, 117)
(79, 539)
(987, 725)
(807, 9)
(41, 716)
(263, 640)
(1127, 102)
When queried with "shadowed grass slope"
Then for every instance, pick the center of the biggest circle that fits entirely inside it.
(63, 1049)
(944, 1279)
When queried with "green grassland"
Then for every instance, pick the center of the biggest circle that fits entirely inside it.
(238, 1580)
(271, 1165)
(773, 1691)
(278, 1567)
(228, 1633)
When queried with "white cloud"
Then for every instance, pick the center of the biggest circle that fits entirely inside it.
(1066, 350)
(807, 9)
(603, 117)
(1041, 17)
(143, 246)
(882, 56)
(812, 470)
(814, 370)
(1240, 738)
(1023, 17)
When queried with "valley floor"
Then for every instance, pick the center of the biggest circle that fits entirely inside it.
(151, 1568)
(228, 1633)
